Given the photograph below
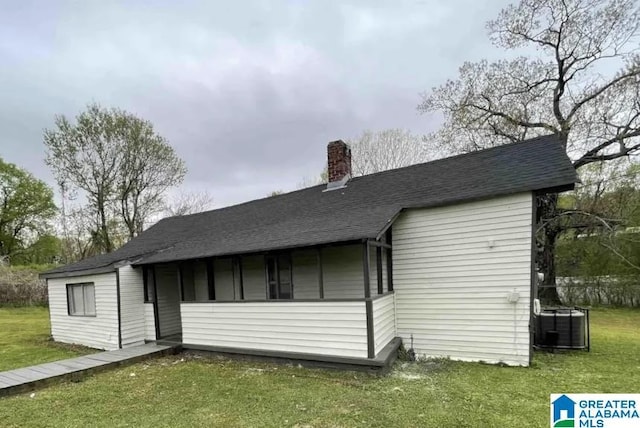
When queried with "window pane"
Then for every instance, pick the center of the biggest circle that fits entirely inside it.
(89, 300)
(81, 298)
(78, 299)
(70, 300)
(271, 270)
(271, 278)
(285, 290)
(284, 267)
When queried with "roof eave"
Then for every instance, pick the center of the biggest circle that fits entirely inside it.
(82, 272)
(143, 262)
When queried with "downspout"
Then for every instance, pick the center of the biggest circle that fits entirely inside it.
(156, 314)
(534, 273)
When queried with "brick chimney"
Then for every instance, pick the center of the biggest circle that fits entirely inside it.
(339, 162)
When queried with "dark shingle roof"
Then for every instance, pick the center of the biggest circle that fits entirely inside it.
(360, 210)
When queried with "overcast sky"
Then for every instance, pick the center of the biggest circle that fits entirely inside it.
(248, 93)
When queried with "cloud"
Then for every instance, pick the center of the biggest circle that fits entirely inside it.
(248, 94)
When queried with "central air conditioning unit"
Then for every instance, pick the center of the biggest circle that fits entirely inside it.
(562, 328)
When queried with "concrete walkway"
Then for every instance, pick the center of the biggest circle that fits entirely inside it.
(28, 378)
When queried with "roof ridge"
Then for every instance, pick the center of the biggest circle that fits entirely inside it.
(431, 162)
(241, 203)
(459, 155)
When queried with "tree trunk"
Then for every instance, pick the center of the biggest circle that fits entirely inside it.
(546, 257)
(104, 229)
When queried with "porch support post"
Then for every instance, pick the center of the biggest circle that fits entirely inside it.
(232, 260)
(389, 263)
(239, 259)
(156, 315)
(371, 344)
(266, 277)
(211, 279)
(181, 281)
(365, 268)
(379, 269)
(145, 282)
(320, 273)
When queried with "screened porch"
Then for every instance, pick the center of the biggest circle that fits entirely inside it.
(332, 300)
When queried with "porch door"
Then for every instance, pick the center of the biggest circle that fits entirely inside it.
(169, 319)
(279, 277)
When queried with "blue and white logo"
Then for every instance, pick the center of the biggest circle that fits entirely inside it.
(595, 410)
(564, 409)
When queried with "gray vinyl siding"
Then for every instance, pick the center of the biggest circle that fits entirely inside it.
(343, 272)
(453, 268)
(305, 274)
(325, 328)
(101, 331)
(131, 306)
(149, 322)
(384, 321)
(168, 299)
(223, 274)
(201, 284)
(253, 278)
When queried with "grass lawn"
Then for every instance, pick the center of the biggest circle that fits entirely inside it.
(24, 339)
(191, 391)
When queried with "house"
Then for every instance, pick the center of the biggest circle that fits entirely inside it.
(438, 255)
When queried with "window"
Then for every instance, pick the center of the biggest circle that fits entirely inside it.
(279, 277)
(81, 299)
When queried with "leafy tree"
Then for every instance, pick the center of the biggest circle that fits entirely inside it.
(119, 163)
(561, 85)
(26, 206)
(47, 249)
(600, 255)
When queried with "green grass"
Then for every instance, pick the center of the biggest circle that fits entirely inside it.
(24, 339)
(191, 391)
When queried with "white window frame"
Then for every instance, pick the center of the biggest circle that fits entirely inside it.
(81, 309)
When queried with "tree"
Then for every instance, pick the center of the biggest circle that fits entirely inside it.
(45, 250)
(376, 151)
(150, 167)
(383, 150)
(189, 203)
(321, 178)
(26, 206)
(79, 235)
(561, 87)
(120, 164)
